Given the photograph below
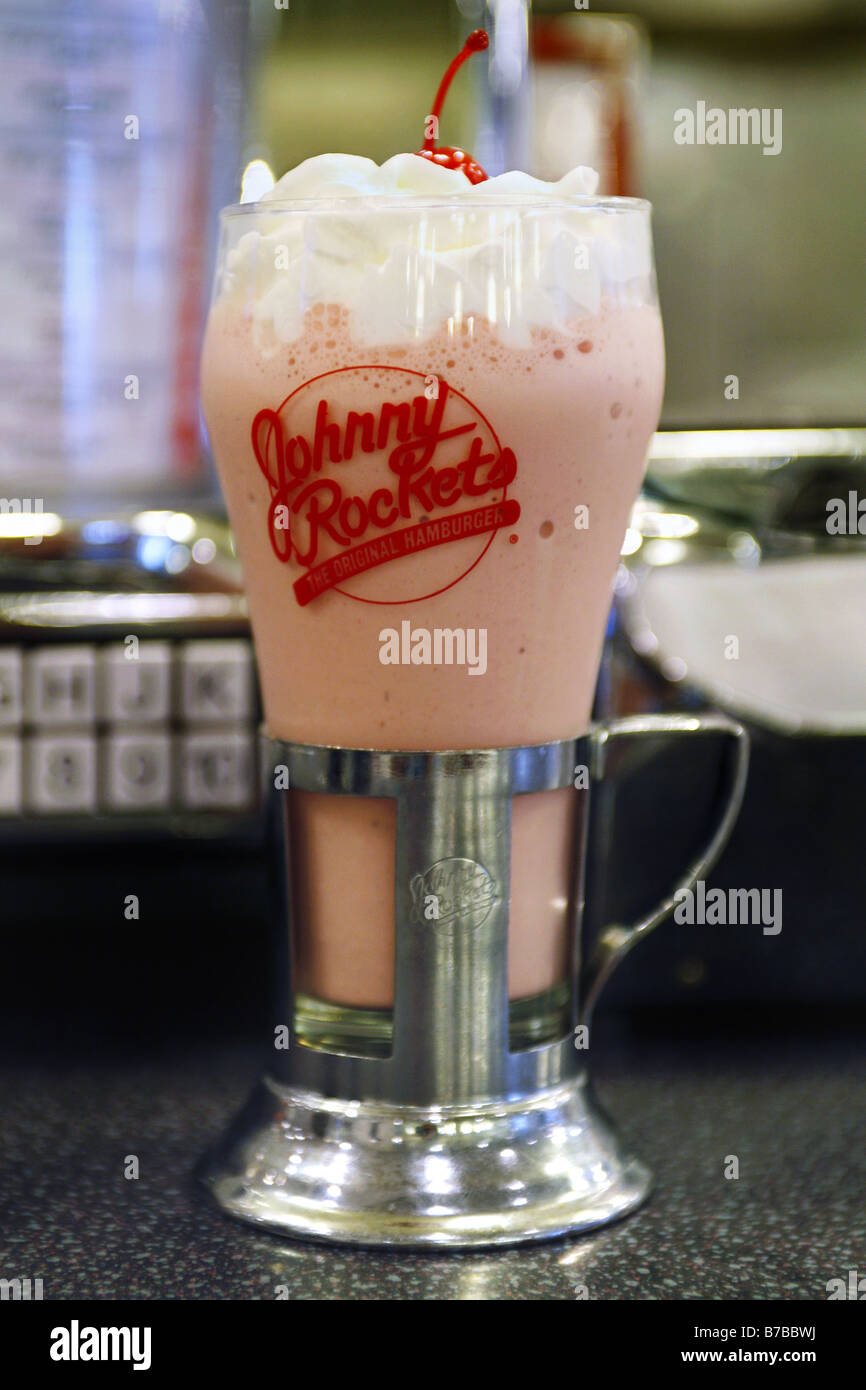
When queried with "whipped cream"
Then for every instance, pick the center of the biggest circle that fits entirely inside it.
(352, 176)
(408, 246)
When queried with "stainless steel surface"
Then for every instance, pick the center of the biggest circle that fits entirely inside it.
(83, 597)
(105, 574)
(439, 1176)
(772, 478)
(733, 536)
(453, 1139)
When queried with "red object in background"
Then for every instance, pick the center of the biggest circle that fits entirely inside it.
(586, 51)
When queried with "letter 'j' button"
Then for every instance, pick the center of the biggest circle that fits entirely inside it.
(60, 686)
(216, 681)
(136, 682)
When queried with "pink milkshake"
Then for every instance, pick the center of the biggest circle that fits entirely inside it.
(430, 405)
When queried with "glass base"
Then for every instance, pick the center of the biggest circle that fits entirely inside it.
(446, 1177)
(533, 1020)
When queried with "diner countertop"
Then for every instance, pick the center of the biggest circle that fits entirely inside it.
(791, 1111)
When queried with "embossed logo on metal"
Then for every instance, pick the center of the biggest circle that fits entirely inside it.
(453, 892)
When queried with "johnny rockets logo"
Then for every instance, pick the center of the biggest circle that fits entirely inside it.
(369, 465)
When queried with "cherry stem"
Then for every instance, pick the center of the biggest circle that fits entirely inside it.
(477, 41)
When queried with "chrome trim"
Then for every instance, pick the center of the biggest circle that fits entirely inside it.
(452, 1140)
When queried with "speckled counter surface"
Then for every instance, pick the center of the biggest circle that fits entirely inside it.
(792, 1113)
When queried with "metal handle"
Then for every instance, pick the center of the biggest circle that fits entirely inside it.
(615, 941)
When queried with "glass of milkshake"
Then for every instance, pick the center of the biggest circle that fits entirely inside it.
(453, 386)
(430, 399)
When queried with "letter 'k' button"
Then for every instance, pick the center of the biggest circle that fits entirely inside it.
(216, 681)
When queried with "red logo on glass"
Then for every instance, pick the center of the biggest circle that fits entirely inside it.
(368, 465)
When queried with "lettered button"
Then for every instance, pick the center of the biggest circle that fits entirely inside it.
(218, 770)
(136, 682)
(11, 686)
(60, 685)
(10, 775)
(216, 680)
(62, 773)
(137, 771)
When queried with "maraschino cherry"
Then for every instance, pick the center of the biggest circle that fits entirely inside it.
(447, 155)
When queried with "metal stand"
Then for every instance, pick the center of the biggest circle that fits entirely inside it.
(452, 1140)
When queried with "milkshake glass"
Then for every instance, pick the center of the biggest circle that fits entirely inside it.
(430, 405)
(430, 402)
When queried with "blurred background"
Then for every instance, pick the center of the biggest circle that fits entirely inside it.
(124, 129)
